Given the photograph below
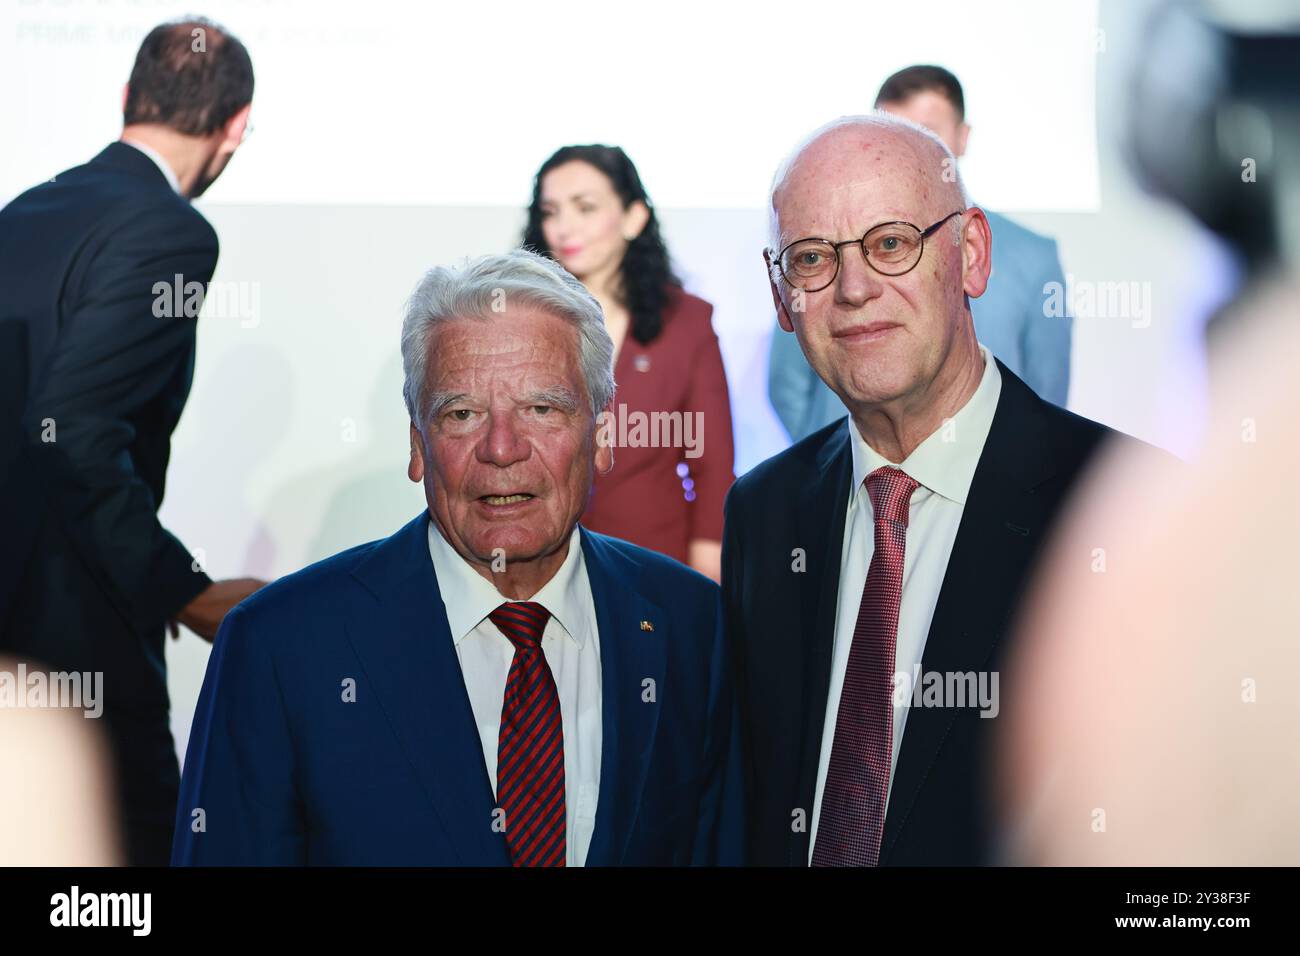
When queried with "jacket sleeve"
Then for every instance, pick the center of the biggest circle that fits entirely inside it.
(238, 803)
(115, 358)
(1046, 339)
(713, 471)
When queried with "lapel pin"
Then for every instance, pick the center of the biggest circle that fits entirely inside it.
(647, 626)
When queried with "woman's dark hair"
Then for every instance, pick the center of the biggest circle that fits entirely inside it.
(647, 275)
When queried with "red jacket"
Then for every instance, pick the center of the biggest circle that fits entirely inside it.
(645, 499)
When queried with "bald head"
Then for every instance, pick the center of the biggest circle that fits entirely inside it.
(885, 325)
(854, 152)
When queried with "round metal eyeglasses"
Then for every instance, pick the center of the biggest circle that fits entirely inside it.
(891, 248)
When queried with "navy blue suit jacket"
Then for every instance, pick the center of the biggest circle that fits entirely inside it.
(282, 770)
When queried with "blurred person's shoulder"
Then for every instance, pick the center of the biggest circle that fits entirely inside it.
(1188, 612)
(1022, 258)
(1018, 234)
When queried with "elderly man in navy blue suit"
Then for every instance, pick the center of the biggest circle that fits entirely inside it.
(493, 684)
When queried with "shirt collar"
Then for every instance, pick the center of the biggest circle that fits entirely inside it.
(159, 162)
(469, 597)
(945, 462)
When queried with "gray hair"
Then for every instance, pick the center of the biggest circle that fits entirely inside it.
(879, 120)
(477, 288)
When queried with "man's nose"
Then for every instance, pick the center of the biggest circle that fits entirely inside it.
(503, 443)
(857, 282)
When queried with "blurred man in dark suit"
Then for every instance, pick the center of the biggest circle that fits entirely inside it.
(103, 269)
(870, 570)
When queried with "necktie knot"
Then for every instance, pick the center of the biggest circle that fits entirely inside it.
(891, 492)
(523, 622)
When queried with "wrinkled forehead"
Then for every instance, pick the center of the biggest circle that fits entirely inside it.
(522, 343)
(851, 181)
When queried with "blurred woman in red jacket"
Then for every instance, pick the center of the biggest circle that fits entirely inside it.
(671, 422)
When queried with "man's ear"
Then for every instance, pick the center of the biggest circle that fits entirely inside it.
(782, 313)
(606, 433)
(232, 134)
(635, 218)
(976, 252)
(963, 131)
(126, 91)
(415, 470)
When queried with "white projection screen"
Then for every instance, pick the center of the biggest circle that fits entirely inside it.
(438, 103)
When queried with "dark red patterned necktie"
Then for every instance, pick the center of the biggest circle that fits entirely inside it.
(530, 746)
(852, 820)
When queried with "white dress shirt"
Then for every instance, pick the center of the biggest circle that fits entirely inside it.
(571, 645)
(944, 465)
(159, 162)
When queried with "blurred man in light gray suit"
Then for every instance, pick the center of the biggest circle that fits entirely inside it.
(1009, 317)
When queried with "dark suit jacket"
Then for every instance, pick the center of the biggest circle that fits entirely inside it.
(644, 499)
(286, 772)
(782, 625)
(90, 577)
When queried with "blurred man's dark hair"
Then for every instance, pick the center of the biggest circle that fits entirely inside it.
(191, 75)
(911, 80)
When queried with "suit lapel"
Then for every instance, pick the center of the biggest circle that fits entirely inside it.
(629, 656)
(999, 531)
(404, 644)
(822, 510)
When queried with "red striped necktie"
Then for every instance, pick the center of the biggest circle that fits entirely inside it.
(852, 819)
(530, 746)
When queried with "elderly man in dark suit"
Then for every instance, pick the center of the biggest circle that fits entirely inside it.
(870, 570)
(103, 269)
